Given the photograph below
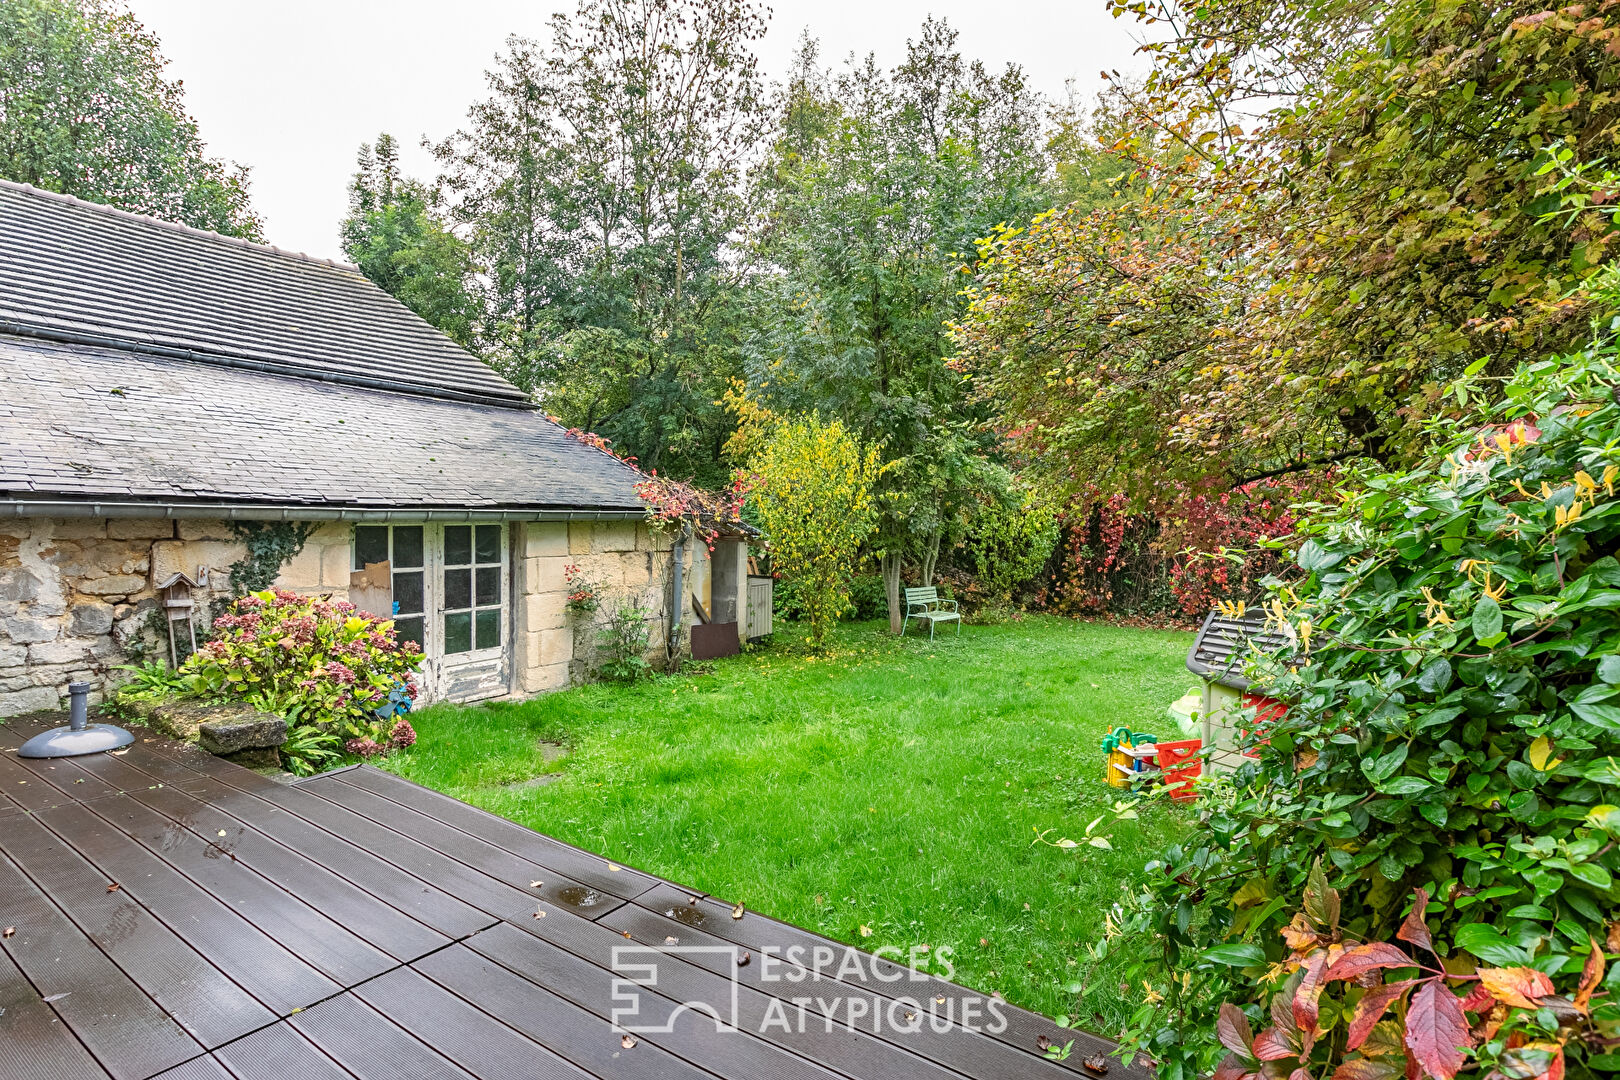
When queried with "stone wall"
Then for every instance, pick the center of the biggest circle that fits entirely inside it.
(631, 563)
(77, 594)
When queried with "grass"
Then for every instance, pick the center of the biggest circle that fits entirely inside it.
(891, 785)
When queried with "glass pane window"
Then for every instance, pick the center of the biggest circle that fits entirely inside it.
(473, 582)
(400, 548)
(370, 545)
(407, 546)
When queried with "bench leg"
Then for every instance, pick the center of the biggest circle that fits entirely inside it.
(959, 626)
(930, 631)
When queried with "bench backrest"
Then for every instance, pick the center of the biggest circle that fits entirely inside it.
(922, 596)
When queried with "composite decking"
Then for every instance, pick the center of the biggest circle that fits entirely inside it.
(164, 913)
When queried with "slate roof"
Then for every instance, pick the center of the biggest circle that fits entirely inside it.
(76, 267)
(147, 361)
(94, 422)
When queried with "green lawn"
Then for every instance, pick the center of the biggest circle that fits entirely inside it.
(893, 785)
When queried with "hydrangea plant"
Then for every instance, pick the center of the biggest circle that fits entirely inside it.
(320, 663)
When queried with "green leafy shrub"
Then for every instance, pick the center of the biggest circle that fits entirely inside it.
(621, 645)
(318, 663)
(1449, 755)
(867, 599)
(1008, 545)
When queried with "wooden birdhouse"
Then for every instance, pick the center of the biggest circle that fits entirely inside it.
(178, 605)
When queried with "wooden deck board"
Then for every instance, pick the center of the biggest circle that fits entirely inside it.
(200, 997)
(358, 925)
(279, 1053)
(123, 1028)
(498, 863)
(34, 1043)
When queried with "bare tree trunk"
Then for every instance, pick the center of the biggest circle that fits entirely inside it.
(930, 557)
(889, 563)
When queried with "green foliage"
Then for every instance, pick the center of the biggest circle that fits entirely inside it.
(621, 645)
(814, 494)
(315, 662)
(1008, 545)
(1295, 290)
(398, 239)
(270, 545)
(1453, 729)
(598, 184)
(147, 681)
(877, 184)
(85, 110)
(867, 599)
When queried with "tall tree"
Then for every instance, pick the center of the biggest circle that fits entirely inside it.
(397, 238)
(1343, 210)
(599, 183)
(85, 110)
(877, 184)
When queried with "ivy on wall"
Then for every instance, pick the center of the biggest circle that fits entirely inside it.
(270, 545)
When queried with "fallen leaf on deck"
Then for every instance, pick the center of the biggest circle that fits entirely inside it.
(1098, 1064)
(222, 832)
(113, 887)
(536, 884)
(1042, 1043)
(626, 933)
(691, 900)
(8, 931)
(628, 1041)
(742, 961)
(672, 940)
(737, 912)
(614, 869)
(57, 997)
(539, 914)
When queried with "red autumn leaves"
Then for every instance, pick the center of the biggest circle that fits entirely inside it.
(1417, 1025)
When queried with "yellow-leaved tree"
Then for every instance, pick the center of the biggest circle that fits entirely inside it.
(813, 490)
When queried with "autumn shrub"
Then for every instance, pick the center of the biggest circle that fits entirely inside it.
(813, 484)
(1180, 554)
(1416, 875)
(338, 676)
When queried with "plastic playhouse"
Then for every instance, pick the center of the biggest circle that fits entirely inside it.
(1211, 718)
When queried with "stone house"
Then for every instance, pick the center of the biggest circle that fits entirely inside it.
(174, 404)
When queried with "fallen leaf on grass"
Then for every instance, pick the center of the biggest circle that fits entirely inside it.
(866, 931)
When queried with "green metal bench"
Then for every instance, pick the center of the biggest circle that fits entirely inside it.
(926, 604)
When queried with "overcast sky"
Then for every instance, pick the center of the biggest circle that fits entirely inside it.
(291, 88)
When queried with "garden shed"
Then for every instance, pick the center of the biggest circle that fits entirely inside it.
(180, 404)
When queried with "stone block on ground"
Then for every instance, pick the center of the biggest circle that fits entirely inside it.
(181, 719)
(249, 729)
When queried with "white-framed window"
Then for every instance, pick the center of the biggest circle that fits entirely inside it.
(445, 585)
(405, 549)
(472, 612)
